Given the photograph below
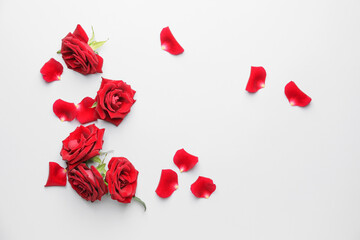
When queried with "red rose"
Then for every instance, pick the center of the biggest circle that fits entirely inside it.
(122, 179)
(88, 183)
(81, 145)
(78, 55)
(114, 100)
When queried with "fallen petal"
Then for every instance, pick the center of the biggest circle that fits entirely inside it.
(184, 161)
(85, 112)
(203, 187)
(65, 111)
(169, 43)
(295, 96)
(52, 70)
(57, 175)
(256, 79)
(168, 183)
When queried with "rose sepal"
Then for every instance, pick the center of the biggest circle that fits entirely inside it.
(101, 164)
(94, 105)
(94, 44)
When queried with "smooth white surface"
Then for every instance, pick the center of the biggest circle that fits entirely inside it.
(281, 172)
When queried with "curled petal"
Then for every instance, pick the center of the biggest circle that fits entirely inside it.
(85, 112)
(168, 183)
(295, 96)
(80, 33)
(169, 43)
(57, 175)
(256, 79)
(52, 70)
(100, 63)
(203, 187)
(65, 111)
(184, 161)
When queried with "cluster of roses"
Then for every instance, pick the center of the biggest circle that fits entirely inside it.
(82, 148)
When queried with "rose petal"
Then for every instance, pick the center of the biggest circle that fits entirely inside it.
(203, 187)
(57, 175)
(81, 34)
(168, 183)
(65, 111)
(169, 43)
(100, 64)
(256, 79)
(295, 96)
(52, 70)
(184, 161)
(85, 112)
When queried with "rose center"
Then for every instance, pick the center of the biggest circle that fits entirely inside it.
(116, 101)
(123, 184)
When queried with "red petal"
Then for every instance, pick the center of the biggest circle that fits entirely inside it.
(256, 79)
(203, 187)
(52, 70)
(57, 175)
(295, 96)
(169, 43)
(64, 110)
(185, 161)
(81, 34)
(100, 64)
(168, 183)
(85, 112)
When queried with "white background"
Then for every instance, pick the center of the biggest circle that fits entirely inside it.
(281, 172)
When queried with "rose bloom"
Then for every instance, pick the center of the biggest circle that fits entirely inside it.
(122, 179)
(78, 55)
(81, 145)
(114, 100)
(87, 182)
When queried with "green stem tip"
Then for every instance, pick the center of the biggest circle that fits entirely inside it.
(140, 201)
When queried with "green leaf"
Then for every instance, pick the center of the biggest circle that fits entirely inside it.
(92, 36)
(94, 105)
(101, 169)
(58, 52)
(96, 159)
(95, 45)
(140, 201)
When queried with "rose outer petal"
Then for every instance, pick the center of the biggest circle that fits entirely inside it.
(85, 112)
(203, 187)
(65, 111)
(168, 183)
(169, 43)
(100, 64)
(256, 80)
(52, 70)
(81, 34)
(295, 96)
(57, 175)
(185, 161)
